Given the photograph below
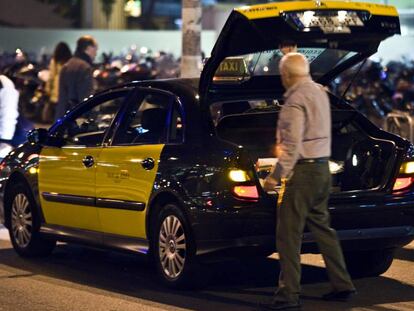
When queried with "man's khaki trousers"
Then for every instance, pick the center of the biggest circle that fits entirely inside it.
(304, 201)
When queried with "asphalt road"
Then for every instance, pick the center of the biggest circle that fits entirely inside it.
(77, 278)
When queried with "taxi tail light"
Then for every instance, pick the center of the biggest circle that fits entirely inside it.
(246, 192)
(402, 183)
(406, 177)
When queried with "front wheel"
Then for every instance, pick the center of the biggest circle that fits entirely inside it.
(174, 250)
(369, 263)
(25, 224)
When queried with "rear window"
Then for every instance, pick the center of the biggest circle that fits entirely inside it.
(266, 63)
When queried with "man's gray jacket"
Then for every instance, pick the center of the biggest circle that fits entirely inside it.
(304, 127)
(75, 83)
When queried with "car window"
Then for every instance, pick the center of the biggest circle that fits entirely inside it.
(145, 121)
(89, 128)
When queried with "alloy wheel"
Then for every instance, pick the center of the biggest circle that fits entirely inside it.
(21, 220)
(172, 246)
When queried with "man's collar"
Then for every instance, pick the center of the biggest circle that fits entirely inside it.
(295, 86)
(84, 57)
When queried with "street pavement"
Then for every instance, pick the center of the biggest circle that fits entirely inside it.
(4, 234)
(79, 278)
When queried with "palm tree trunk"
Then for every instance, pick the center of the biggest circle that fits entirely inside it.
(191, 39)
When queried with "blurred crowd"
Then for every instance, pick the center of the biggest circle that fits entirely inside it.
(372, 88)
(376, 89)
(36, 77)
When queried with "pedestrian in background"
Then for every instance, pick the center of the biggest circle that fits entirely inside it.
(9, 101)
(303, 149)
(76, 76)
(60, 56)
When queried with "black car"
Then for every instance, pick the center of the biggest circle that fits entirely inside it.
(173, 168)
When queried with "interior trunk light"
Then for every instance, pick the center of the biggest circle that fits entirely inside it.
(402, 182)
(238, 176)
(407, 168)
(246, 192)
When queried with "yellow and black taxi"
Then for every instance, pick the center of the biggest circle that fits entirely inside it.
(172, 168)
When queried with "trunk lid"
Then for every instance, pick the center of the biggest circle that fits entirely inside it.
(333, 35)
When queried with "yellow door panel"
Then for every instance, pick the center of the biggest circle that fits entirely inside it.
(123, 222)
(121, 177)
(64, 177)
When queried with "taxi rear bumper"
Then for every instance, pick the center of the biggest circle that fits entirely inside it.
(351, 240)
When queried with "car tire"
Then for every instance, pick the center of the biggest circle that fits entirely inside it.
(369, 263)
(174, 250)
(24, 224)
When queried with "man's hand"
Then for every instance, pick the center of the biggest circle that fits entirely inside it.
(270, 184)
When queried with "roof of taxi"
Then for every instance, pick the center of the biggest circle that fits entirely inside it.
(179, 86)
(185, 88)
(188, 86)
(277, 8)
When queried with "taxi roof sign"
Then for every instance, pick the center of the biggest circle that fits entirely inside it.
(232, 69)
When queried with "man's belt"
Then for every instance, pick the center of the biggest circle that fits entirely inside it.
(314, 160)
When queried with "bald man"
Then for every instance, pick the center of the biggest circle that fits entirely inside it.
(303, 149)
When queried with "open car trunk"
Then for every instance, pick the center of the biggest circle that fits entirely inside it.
(358, 161)
(333, 36)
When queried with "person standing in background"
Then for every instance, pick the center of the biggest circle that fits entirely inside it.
(76, 76)
(9, 101)
(60, 56)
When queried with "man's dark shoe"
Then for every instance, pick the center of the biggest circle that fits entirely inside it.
(281, 305)
(343, 295)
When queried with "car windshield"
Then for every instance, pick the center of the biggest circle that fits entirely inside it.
(266, 63)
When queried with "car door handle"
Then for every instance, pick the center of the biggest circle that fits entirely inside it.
(88, 161)
(148, 163)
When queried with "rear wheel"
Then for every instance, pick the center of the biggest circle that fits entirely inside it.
(369, 263)
(25, 224)
(174, 250)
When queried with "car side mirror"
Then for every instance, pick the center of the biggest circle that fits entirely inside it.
(37, 136)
